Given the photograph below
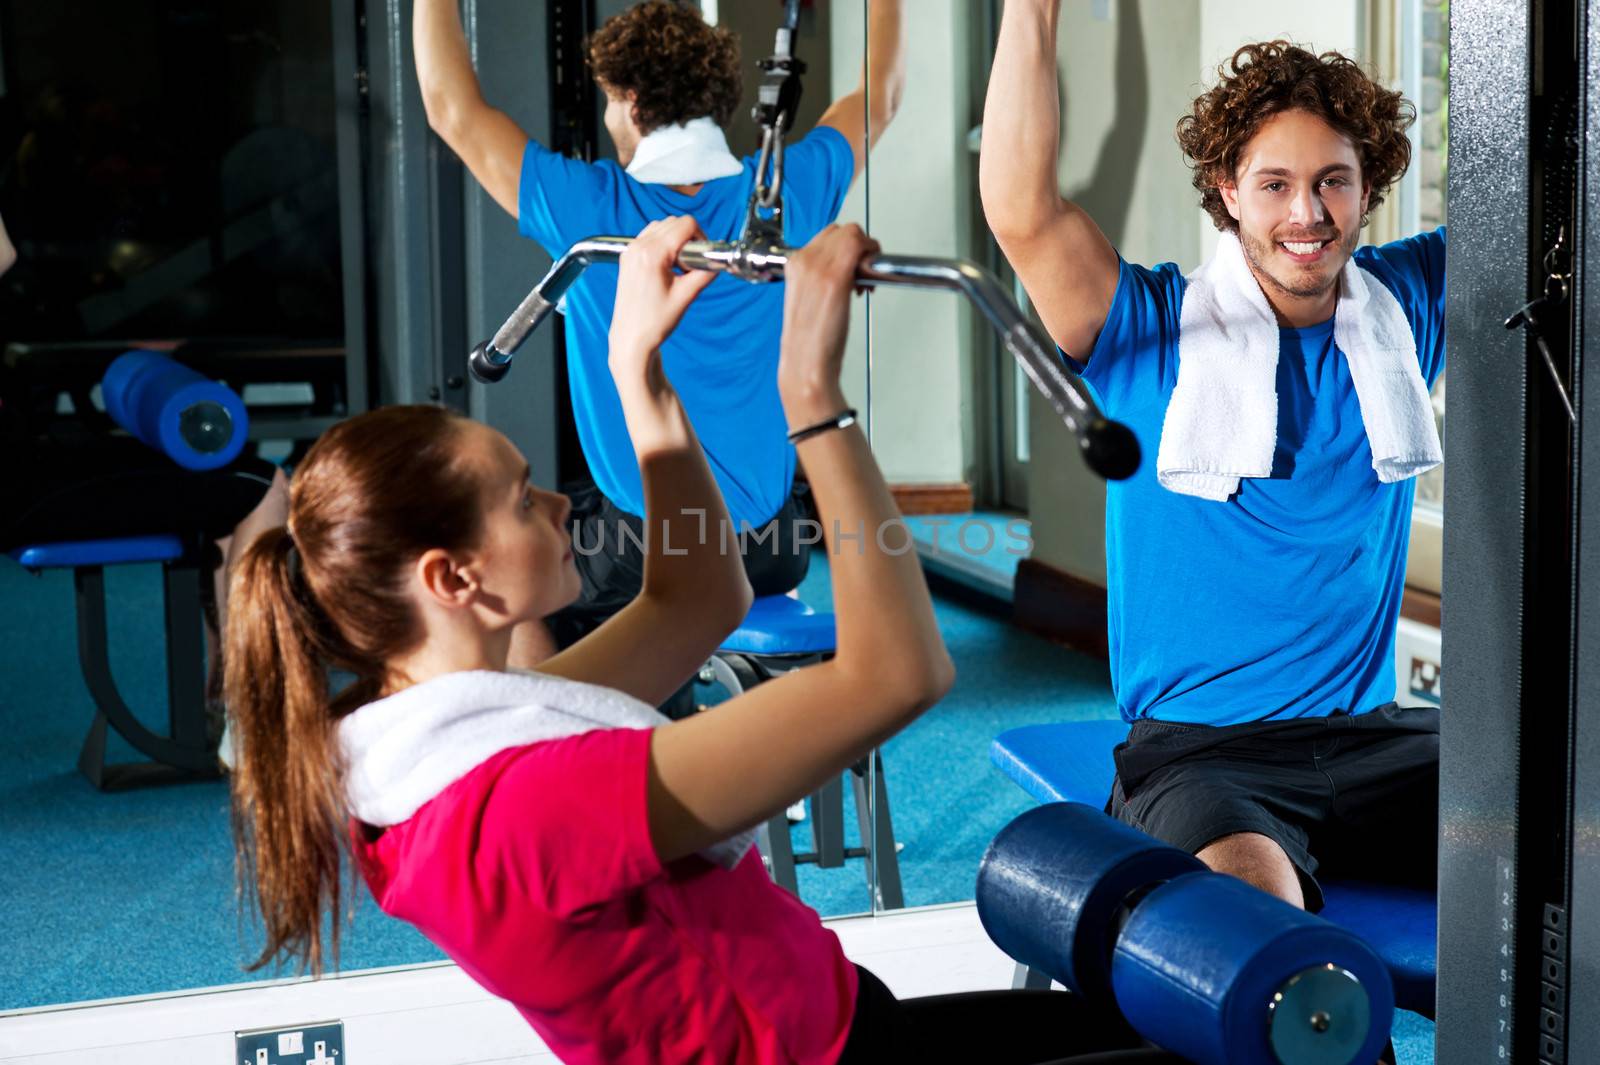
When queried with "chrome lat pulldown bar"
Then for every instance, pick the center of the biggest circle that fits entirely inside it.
(1109, 447)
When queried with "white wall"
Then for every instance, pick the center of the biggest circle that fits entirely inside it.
(922, 198)
(1332, 26)
(1129, 68)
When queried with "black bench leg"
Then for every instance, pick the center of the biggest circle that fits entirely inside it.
(92, 756)
(778, 852)
(877, 835)
(1026, 979)
(183, 755)
(186, 654)
(827, 823)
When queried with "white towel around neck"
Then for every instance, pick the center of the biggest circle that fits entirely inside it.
(1222, 421)
(402, 750)
(687, 154)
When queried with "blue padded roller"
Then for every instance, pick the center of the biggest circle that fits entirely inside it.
(1054, 884)
(1222, 974)
(199, 423)
(779, 625)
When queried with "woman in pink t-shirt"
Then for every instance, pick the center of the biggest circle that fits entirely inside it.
(573, 851)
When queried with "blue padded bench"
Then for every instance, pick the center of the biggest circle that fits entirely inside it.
(185, 751)
(778, 635)
(1071, 762)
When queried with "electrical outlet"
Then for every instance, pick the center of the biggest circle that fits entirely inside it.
(321, 1043)
(1425, 680)
(1417, 664)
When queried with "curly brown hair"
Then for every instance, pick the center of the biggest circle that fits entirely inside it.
(1265, 79)
(678, 67)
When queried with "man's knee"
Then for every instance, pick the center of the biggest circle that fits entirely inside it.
(1258, 860)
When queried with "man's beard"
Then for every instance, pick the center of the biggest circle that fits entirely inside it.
(1256, 252)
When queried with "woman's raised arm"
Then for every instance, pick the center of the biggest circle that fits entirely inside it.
(695, 590)
(720, 772)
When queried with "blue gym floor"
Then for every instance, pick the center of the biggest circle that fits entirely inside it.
(111, 895)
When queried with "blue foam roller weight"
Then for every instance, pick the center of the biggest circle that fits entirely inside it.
(199, 423)
(1223, 974)
(1054, 885)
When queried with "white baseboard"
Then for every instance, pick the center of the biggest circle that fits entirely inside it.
(433, 1014)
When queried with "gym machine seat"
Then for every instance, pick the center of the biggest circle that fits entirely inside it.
(184, 752)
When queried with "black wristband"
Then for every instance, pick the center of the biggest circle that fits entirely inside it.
(843, 420)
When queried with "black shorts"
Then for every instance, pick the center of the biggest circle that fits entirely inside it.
(113, 487)
(607, 547)
(1351, 796)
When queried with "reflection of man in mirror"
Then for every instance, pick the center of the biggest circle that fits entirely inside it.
(1256, 565)
(671, 82)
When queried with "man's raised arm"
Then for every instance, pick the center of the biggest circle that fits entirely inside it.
(1064, 261)
(488, 142)
(866, 111)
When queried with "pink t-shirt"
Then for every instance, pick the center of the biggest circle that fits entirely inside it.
(536, 874)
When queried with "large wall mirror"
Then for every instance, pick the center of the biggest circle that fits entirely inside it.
(1008, 519)
(323, 202)
(171, 176)
(194, 171)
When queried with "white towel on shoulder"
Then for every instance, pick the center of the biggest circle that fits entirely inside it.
(1222, 421)
(402, 750)
(687, 154)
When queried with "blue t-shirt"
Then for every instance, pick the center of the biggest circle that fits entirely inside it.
(1282, 601)
(723, 357)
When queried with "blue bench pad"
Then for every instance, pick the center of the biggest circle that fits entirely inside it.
(1401, 924)
(1071, 762)
(74, 553)
(779, 625)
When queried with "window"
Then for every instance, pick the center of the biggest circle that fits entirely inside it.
(1430, 145)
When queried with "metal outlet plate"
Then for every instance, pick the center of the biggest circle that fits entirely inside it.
(321, 1043)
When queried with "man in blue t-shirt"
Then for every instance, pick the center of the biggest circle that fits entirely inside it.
(671, 81)
(1256, 561)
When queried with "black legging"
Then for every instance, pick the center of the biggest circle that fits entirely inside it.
(994, 1027)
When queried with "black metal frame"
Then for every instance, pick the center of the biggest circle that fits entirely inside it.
(574, 132)
(447, 228)
(1517, 759)
(1583, 919)
(352, 124)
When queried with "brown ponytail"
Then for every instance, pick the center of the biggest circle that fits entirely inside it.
(373, 494)
(287, 810)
